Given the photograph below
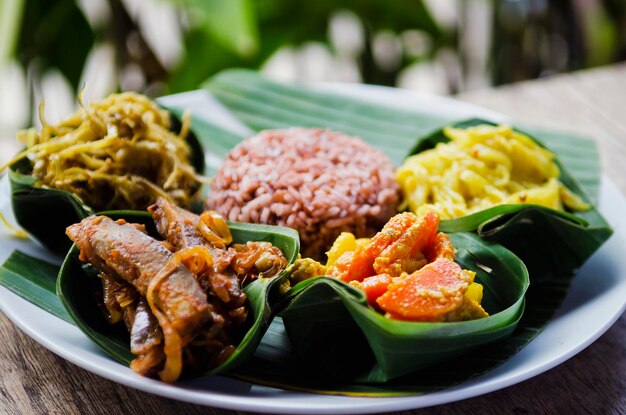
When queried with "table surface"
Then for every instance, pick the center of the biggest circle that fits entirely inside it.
(592, 103)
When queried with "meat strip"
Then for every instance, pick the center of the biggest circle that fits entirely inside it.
(145, 333)
(179, 227)
(137, 258)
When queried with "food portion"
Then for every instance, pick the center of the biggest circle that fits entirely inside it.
(479, 168)
(316, 181)
(182, 297)
(118, 153)
(407, 271)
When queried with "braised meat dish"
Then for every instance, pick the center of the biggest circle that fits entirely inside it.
(182, 297)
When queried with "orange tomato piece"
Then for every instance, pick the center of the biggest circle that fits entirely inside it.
(373, 286)
(406, 251)
(341, 267)
(362, 264)
(428, 294)
(441, 248)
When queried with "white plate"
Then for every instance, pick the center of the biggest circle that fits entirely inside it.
(596, 299)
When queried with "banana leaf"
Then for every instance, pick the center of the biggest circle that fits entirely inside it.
(263, 104)
(572, 238)
(260, 104)
(46, 212)
(333, 329)
(34, 280)
(76, 281)
(552, 243)
(276, 364)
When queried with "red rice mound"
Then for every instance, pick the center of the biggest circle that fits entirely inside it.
(317, 181)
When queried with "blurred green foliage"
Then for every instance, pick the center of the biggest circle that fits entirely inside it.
(531, 41)
(529, 38)
(54, 33)
(246, 33)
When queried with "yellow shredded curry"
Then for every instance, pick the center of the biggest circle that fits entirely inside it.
(118, 153)
(479, 168)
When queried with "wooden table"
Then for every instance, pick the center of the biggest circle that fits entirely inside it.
(34, 380)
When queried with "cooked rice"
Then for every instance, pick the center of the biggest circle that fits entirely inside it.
(316, 181)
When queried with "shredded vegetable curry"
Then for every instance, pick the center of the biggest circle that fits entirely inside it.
(118, 153)
(481, 167)
(406, 271)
